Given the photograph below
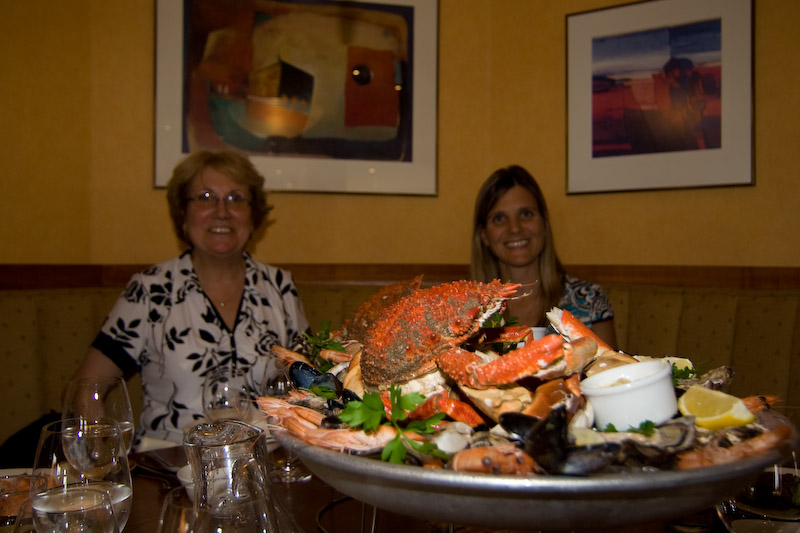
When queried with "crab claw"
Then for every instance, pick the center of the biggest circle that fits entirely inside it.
(441, 403)
(553, 393)
(469, 369)
(572, 329)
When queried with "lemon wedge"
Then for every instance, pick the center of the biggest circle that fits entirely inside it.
(714, 409)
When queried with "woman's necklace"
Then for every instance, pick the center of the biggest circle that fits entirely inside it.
(228, 297)
(223, 293)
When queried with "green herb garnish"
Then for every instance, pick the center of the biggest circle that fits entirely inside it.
(326, 392)
(497, 320)
(646, 428)
(322, 341)
(370, 413)
(681, 373)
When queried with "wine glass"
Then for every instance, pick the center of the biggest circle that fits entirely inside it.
(177, 512)
(95, 397)
(288, 467)
(769, 504)
(86, 453)
(72, 510)
(226, 395)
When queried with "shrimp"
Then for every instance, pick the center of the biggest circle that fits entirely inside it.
(497, 459)
(305, 424)
(713, 454)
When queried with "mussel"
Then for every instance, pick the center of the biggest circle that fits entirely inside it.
(305, 376)
(546, 439)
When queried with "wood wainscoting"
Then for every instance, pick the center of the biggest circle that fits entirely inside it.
(42, 276)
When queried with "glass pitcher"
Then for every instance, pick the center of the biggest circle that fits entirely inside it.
(229, 470)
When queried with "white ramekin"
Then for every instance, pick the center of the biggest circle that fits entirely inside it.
(628, 395)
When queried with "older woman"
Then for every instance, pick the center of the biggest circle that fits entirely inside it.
(512, 240)
(213, 306)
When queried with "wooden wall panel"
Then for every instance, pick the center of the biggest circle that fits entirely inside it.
(39, 276)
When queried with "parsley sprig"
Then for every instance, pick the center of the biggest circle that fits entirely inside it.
(497, 320)
(322, 341)
(646, 428)
(369, 413)
(682, 373)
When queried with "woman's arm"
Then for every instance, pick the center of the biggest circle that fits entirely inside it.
(605, 330)
(96, 364)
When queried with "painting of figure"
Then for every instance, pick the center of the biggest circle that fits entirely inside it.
(311, 78)
(657, 90)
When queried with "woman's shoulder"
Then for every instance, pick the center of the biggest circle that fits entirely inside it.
(169, 270)
(264, 274)
(572, 283)
(586, 300)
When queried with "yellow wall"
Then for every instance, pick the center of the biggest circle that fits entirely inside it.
(77, 149)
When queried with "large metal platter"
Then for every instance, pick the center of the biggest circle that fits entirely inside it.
(546, 502)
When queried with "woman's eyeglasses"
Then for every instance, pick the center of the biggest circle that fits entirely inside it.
(209, 200)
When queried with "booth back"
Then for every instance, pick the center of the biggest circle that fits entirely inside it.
(46, 332)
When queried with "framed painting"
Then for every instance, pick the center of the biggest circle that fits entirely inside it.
(322, 95)
(660, 96)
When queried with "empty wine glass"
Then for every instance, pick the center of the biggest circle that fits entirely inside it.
(288, 467)
(86, 453)
(226, 395)
(73, 510)
(95, 397)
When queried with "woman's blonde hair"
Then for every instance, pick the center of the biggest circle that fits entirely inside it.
(483, 264)
(234, 165)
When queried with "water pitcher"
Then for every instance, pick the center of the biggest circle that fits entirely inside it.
(232, 491)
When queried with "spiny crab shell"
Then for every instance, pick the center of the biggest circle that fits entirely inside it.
(403, 343)
(368, 312)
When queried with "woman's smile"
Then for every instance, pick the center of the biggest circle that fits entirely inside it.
(514, 229)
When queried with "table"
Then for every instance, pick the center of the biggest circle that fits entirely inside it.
(318, 508)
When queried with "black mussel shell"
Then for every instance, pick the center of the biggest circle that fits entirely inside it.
(305, 376)
(302, 375)
(328, 382)
(332, 422)
(334, 405)
(518, 424)
(349, 396)
(412, 460)
(546, 439)
(583, 460)
(345, 397)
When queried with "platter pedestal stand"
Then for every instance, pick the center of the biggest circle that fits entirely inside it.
(370, 519)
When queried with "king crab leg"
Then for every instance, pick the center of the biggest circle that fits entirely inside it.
(546, 358)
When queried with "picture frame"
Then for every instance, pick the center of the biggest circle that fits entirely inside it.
(645, 103)
(301, 118)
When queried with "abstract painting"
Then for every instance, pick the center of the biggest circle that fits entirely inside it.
(323, 95)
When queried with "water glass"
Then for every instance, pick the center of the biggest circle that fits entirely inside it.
(81, 453)
(95, 397)
(72, 510)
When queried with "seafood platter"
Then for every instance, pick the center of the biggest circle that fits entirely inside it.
(427, 403)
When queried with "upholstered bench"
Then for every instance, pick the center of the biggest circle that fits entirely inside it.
(46, 332)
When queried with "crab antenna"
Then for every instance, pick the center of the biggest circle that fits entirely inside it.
(528, 287)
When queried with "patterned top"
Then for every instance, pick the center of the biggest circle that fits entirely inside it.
(586, 300)
(165, 326)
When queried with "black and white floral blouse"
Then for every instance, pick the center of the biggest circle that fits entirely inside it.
(166, 327)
